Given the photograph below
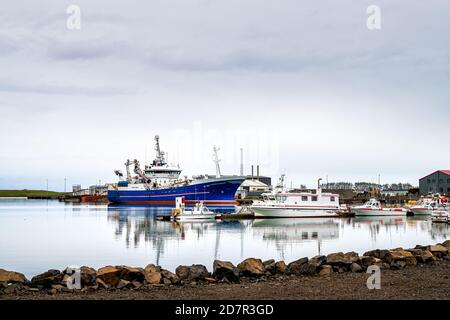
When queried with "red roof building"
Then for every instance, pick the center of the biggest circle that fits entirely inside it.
(436, 182)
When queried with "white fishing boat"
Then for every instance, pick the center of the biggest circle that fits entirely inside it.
(373, 208)
(284, 204)
(426, 206)
(440, 216)
(198, 212)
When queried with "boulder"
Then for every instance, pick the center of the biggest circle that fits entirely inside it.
(439, 251)
(318, 260)
(123, 284)
(225, 270)
(101, 284)
(354, 267)
(48, 278)
(12, 277)
(198, 272)
(400, 255)
(183, 272)
(398, 265)
(132, 274)
(251, 267)
(308, 269)
(379, 254)
(194, 272)
(280, 267)
(268, 262)
(447, 245)
(172, 277)
(294, 267)
(325, 270)
(422, 256)
(109, 275)
(152, 274)
(271, 269)
(366, 261)
(88, 276)
(341, 260)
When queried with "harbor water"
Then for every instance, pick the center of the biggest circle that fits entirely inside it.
(37, 235)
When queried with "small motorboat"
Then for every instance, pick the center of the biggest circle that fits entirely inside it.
(373, 208)
(426, 206)
(440, 216)
(198, 212)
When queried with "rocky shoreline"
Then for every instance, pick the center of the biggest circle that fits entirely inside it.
(125, 282)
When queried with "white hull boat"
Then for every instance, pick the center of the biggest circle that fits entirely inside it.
(426, 206)
(282, 204)
(373, 208)
(198, 213)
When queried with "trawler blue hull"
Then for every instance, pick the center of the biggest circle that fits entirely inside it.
(215, 192)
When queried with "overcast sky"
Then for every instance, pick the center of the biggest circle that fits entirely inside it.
(303, 86)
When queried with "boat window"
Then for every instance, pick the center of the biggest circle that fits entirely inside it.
(314, 198)
(332, 199)
(304, 198)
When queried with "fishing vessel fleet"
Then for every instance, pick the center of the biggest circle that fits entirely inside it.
(160, 184)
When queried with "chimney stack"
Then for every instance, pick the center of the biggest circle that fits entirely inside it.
(257, 172)
(252, 172)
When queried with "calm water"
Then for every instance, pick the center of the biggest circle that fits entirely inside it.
(37, 235)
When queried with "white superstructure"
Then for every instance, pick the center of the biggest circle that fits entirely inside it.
(283, 204)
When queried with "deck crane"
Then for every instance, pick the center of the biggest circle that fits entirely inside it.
(138, 171)
(127, 165)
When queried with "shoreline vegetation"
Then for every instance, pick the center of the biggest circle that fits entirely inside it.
(31, 194)
(421, 272)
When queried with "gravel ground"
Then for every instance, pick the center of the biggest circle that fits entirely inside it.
(419, 282)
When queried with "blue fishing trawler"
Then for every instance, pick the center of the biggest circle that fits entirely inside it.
(159, 184)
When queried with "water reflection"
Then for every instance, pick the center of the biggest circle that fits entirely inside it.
(35, 236)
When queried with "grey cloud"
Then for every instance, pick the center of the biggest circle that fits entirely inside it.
(6, 86)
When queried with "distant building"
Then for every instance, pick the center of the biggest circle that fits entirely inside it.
(436, 182)
(394, 193)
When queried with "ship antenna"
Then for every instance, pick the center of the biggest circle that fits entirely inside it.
(159, 153)
(216, 161)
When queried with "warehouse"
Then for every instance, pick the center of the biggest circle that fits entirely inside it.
(436, 182)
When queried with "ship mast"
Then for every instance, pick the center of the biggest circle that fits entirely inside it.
(216, 161)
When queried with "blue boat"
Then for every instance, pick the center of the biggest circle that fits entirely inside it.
(159, 184)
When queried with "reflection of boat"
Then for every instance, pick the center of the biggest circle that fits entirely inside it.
(159, 184)
(283, 204)
(439, 216)
(199, 212)
(297, 230)
(384, 220)
(373, 208)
